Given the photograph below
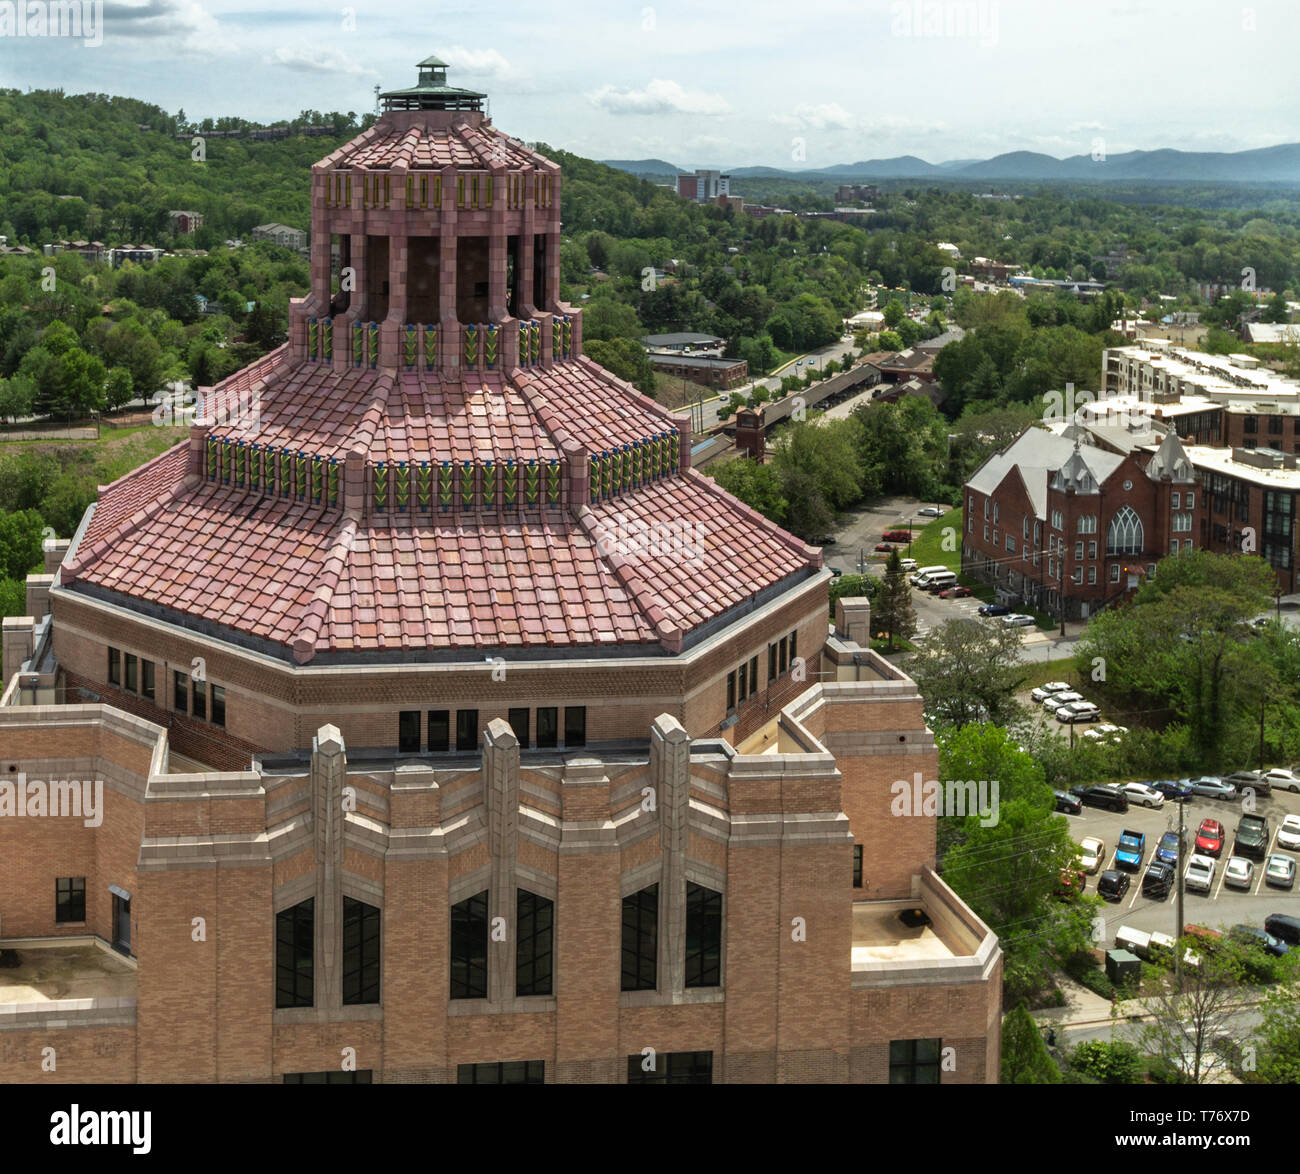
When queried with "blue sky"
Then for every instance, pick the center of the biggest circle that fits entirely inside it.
(732, 84)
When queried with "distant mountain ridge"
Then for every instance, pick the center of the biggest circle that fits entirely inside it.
(1278, 164)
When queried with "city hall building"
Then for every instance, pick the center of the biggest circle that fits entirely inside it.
(426, 717)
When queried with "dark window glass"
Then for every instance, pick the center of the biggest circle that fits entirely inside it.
(575, 725)
(914, 1061)
(362, 1076)
(782, 651)
(70, 898)
(201, 700)
(703, 936)
(547, 726)
(132, 674)
(753, 675)
(671, 1068)
(469, 942)
(146, 679)
(294, 965)
(534, 944)
(771, 662)
(510, 1072)
(641, 940)
(731, 691)
(742, 680)
(857, 866)
(219, 705)
(467, 729)
(408, 731)
(180, 692)
(360, 952)
(794, 647)
(518, 719)
(114, 667)
(439, 731)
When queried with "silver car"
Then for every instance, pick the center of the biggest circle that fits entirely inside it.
(1211, 787)
(1239, 873)
(1280, 872)
(1017, 620)
(1199, 877)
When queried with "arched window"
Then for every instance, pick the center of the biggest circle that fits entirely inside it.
(1125, 533)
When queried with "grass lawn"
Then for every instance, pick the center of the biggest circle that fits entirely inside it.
(927, 546)
(114, 454)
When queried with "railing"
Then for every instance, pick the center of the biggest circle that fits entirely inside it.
(629, 466)
(429, 487)
(275, 472)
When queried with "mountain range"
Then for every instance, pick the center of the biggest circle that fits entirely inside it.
(1279, 164)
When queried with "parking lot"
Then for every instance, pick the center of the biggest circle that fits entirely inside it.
(1221, 907)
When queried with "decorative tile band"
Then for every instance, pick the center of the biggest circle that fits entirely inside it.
(433, 487)
(275, 472)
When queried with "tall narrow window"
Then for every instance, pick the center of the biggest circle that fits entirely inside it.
(781, 649)
(753, 675)
(408, 731)
(547, 726)
(641, 940)
(771, 662)
(467, 729)
(469, 942)
(201, 700)
(534, 934)
(857, 866)
(703, 936)
(518, 719)
(114, 667)
(132, 674)
(439, 731)
(70, 898)
(146, 679)
(794, 646)
(360, 952)
(218, 705)
(180, 691)
(731, 691)
(294, 966)
(575, 725)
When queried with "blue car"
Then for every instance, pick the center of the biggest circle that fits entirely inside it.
(1167, 849)
(1175, 792)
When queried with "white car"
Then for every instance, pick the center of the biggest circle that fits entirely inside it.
(1199, 877)
(1045, 691)
(1092, 853)
(929, 511)
(908, 564)
(1281, 779)
(1106, 732)
(1077, 711)
(1143, 795)
(1016, 620)
(1239, 873)
(1054, 701)
(1288, 835)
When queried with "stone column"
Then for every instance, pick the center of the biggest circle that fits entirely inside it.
(501, 796)
(449, 339)
(329, 768)
(392, 328)
(670, 770)
(524, 267)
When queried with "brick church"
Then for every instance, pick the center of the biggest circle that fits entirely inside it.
(449, 726)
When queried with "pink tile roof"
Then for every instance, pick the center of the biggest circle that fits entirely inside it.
(435, 147)
(137, 490)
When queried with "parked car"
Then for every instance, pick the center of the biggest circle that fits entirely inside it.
(1239, 873)
(1068, 804)
(1018, 620)
(897, 536)
(1078, 711)
(1260, 937)
(1288, 835)
(1053, 701)
(1052, 687)
(885, 548)
(1282, 779)
(1106, 732)
(1211, 787)
(1280, 871)
(1172, 791)
(1130, 850)
(1209, 838)
(923, 573)
(929, 511)
(1284, 926)
(1072, 884)
(1158, 880)
(1092, 854)
(1167, 848)
(957, 592)
(908, 564)
(1101, 795)
(1199, 875)
(994, 609)
(1143, 795)
(1240, 780)
(1113, 885)
(826, 540)
(1253, 836)
(835, 572)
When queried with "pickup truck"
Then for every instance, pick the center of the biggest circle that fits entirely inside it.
(1253, 836)
(1129, 851)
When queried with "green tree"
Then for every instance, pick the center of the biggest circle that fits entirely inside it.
(756, 485)
(20, 543)
(625, 358)
(969, 671)
(893, 613)
(118, 389)
(1025, 1058)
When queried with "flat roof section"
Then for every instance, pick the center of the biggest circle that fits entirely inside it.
(879, 935)
(53, 971)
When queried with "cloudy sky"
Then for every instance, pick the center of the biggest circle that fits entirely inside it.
(725, 84)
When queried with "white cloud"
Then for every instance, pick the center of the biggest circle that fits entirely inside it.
(482, 63)
(821, 116)
(306, 59)
(184, 23)
(659, 97)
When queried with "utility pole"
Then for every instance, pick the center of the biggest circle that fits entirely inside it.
(1178, 904)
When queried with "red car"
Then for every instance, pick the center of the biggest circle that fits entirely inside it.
(885, 547)
(954, 593)
(1209, 838)
(897, 536)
